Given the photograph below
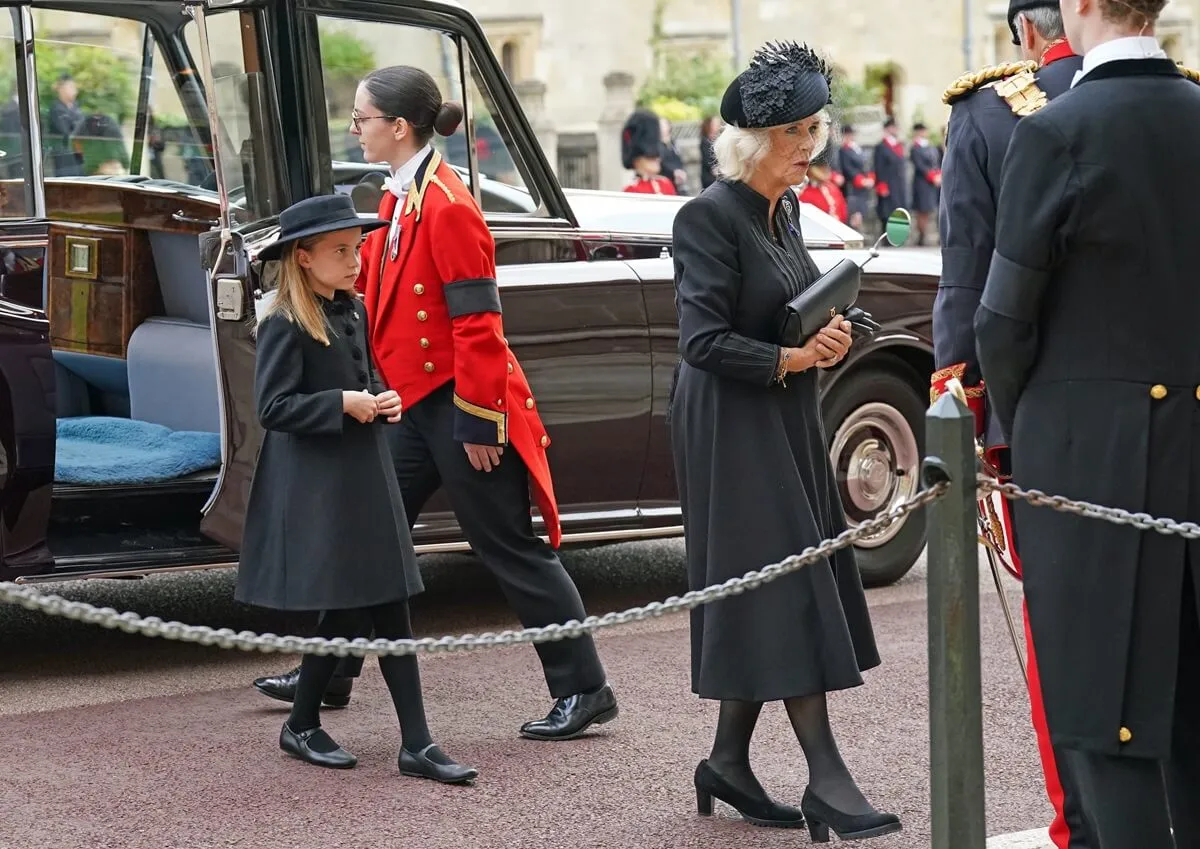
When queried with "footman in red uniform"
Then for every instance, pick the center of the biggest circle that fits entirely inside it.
(470, 420)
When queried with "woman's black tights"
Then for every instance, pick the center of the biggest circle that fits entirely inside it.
(828, 777)
(403, 678)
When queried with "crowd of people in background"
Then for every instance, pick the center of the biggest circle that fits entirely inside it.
(860, 187)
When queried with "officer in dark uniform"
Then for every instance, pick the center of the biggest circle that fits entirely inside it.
(1086, 334)
(891, 168)
(985, 107)
(858, 181)
(642, 152)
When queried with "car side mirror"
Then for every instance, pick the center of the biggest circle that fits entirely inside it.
(899, 225)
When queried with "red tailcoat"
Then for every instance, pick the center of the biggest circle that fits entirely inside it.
(826, 197)
(651, 186)
(434, 316)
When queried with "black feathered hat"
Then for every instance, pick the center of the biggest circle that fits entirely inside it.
(1015, 6)
(786, 82)
(641, 136)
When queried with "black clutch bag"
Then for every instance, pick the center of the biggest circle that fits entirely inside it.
(833, 293)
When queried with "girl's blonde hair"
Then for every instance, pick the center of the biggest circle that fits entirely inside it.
(294, 298)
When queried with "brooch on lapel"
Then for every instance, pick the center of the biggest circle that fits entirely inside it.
(787, 210)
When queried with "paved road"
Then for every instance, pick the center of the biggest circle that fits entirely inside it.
(113, 740)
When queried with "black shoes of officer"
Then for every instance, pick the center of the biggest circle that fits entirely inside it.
(283, 688)
(432, 762)
(316, 747)
(571, 716)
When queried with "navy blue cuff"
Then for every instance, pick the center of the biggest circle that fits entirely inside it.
(479, 425)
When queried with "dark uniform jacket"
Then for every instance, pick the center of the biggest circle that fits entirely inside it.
(926, 170)
(853, 166)
(1087, 343)
(983, 114)
(891, 186)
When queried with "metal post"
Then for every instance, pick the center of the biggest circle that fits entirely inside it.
(735, 32)
(955, 691)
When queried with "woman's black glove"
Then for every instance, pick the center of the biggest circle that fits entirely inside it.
(861, 322)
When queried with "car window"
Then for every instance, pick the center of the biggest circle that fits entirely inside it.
(503, 186)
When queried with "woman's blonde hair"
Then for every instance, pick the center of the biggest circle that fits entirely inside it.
(739, 152)
(294, 298)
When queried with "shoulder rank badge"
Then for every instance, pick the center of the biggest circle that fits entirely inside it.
(973, 80)
(1021, 93)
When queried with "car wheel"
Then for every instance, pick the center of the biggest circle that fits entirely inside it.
(875, 419)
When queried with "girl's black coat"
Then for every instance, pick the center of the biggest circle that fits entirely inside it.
(325, 524)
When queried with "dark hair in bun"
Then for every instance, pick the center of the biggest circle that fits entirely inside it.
(402, 91)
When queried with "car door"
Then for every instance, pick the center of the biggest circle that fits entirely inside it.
(27, 387)
(579, 328)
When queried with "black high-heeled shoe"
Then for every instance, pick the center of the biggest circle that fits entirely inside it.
(823, 817)
(756, 810)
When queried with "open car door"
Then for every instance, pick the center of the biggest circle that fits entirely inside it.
(27, 396)
(249, 175)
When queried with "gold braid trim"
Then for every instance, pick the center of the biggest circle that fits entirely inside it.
(1194, 76)
(437, 181)
(972, 80)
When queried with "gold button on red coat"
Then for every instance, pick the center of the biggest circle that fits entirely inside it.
(428, 366)
(510, 370)
(528, 403)
(422, 315)
(545, 441)
(424, 343)
(419, 288)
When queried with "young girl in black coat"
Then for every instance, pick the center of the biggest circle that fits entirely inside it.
(325, 525)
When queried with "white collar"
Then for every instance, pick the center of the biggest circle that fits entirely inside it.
(1130, 47)
(403, 176)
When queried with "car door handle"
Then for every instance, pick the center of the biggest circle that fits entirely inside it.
(187, 219)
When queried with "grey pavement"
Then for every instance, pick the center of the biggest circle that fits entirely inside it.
(119, 740)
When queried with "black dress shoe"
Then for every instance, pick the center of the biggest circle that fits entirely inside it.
(283, 687)
(756, 810)
(432, 762)
(298, 746)
(823, 817)
(571, 716)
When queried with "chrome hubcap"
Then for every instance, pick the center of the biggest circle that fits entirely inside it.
(876, 463)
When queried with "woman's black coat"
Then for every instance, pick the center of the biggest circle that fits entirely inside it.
(325, 523)
(755, 480)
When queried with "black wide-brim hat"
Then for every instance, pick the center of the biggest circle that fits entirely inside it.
(785, 83)
(314, 216)
(1015, 6)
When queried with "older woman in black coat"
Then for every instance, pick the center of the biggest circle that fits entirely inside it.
(754, 475)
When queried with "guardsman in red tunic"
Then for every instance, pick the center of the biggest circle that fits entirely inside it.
(821, 190)
(470, 420)
(641, 151)
(985, 107)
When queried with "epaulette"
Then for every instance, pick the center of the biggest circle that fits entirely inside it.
(437, 181)
(972, 80)
(1194, 76)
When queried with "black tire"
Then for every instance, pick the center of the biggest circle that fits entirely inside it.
(875, 425)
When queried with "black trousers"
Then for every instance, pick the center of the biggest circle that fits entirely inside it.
(492, 509)
(1134, 803)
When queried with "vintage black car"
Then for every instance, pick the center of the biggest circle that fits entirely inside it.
(129, 279)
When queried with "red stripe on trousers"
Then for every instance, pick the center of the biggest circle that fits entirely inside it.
(1060, 834)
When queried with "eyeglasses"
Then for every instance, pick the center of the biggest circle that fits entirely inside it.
(357, 119)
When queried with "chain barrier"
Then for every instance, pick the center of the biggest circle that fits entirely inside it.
(1114, 515)
(227, 638)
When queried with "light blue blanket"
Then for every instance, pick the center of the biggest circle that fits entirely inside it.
(98, 450)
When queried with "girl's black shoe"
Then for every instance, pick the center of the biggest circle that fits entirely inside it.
(299, 745)
(432, 762)
(756, 810)
(823, 817)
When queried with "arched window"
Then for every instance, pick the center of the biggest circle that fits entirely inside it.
(508, 60)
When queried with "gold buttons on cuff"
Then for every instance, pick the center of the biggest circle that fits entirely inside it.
(1158, 392)
(545, 441)
(1125, 735)
(510, 370)
(424, 342)
(528, 403)
(422, 315)
(428, 366)
(419, 289)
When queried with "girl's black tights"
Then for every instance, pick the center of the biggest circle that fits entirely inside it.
(390, 622)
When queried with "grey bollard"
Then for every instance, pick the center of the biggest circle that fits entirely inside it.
(955, 691)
